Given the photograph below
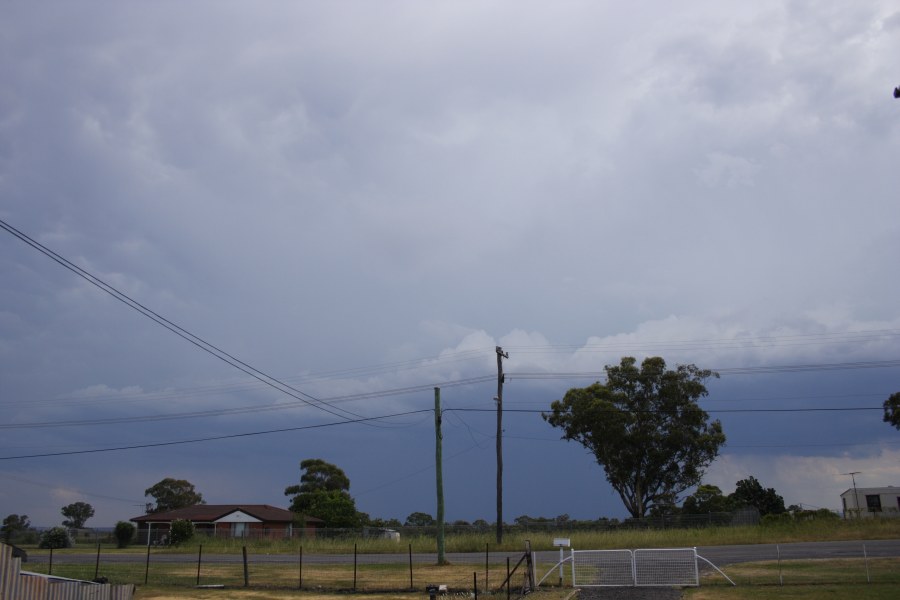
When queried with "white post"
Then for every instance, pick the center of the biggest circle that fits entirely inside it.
(562, 543)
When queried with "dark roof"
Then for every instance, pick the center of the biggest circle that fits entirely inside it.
(210, 512)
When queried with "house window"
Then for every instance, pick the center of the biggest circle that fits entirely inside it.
(237, 530)
(873, 502)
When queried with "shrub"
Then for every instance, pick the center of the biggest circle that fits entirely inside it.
(180, 531)
(58, 537)
(124, 533)
(773, 519)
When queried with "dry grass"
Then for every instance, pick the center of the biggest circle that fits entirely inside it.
(242, 594)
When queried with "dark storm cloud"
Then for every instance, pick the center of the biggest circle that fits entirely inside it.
(319, 190)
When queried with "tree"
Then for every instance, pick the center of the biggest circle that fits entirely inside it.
(319, 475)
(335, 507)
(892, 410)
(12, 525)
(645, 429)
(419, 519)
(124, 533)
(707, 499)
(76, 514)
(57, 537)
(180, 531)
(171, 494)
(384, 523)
(324, 493)
(750, 492)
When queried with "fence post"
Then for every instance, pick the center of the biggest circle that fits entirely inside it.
(475, 583)
(508, 574)
(780, 575)
(300, 579)
(410, 569)
(50, 569)
(147, 567)
(97, 564)
(866, 558)
(354, 567)
(246, 572)
(199, 561)
(487, 557)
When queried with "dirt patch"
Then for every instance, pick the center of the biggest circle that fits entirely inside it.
(630, 593)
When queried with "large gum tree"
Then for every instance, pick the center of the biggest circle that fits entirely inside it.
(645, 428)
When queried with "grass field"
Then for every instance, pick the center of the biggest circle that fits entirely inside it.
(789, 579)
(777, 533)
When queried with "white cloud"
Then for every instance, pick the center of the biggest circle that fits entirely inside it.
(814, 481)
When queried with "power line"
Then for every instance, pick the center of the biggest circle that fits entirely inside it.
(177, 330)
(719, 344)
(730, 445)
(718, 410)
(213, 438)
(57, 486)
(239, 410)
(758, 370)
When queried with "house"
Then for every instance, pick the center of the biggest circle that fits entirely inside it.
(228, 520)
(871, 502)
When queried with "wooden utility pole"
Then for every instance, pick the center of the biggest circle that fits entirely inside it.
(500, 377)
(439, 472)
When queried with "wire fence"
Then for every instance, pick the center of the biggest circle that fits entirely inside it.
(244, 567)
(468, 573)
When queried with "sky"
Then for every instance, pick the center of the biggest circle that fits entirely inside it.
(361, 200)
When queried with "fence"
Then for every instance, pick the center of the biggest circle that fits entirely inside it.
(246, 567)
(638, 568)
(298, 568)
(16, 584)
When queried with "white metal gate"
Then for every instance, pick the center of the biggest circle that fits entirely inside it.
(646, 567)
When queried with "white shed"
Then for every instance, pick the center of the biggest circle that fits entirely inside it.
(871, 502)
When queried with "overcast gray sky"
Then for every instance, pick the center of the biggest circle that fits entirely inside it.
(365, 197)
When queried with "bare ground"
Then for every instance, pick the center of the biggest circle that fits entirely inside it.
(630, 593)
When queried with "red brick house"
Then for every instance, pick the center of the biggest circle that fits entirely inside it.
(228, 520)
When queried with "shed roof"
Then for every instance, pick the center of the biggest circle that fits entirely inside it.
(888, 489)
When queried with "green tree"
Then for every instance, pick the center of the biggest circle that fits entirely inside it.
(419, 519)
(171, 494)
(319, 475)
(707, 499)
(892, 410)
(324, 493)
(124, 533)
(180, 531)
(335, 507)
(57, 537)
(645, 429)
(13, 525)
(750, 492)
(77, 514)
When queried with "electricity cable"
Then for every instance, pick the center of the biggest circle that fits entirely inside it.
(214, 438)
(242, 409)
(177, 330)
